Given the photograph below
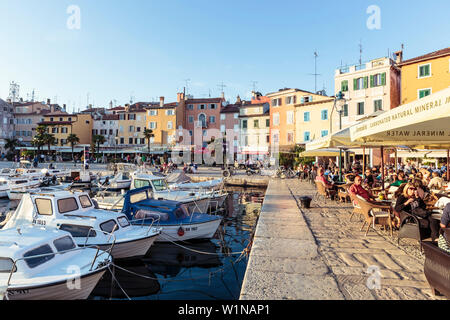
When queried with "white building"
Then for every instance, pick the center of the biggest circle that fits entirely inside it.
(108, 126)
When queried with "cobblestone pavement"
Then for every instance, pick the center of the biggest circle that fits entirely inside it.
(349, 254)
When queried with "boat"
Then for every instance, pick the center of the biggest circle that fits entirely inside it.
(75, 212)
(38, 263)
(176, 221)
(12, 184)
(18, 194)
(122, 180)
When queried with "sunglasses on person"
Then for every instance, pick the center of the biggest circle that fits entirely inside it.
(412, 189)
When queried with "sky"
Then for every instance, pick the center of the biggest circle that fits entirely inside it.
(140, 50)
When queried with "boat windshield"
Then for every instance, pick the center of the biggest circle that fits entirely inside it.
(6, 265)
(136, 197)
(159, 185)
(182, 212)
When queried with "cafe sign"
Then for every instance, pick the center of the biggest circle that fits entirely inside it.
(423, 121)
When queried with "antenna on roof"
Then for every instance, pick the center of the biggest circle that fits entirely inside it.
(222, 86)
(315, 74)
(360, 52)
(254, 85)
(187, 85)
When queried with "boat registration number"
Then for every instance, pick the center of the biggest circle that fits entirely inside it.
(190, 229)
(40, 222)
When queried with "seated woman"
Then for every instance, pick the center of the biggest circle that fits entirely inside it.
(411, 202)
(443, 242)
(401, 179)
(321, 177)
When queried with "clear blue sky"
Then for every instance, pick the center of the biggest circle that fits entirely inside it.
(148, 48)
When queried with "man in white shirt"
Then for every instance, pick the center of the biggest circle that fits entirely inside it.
(436, 182)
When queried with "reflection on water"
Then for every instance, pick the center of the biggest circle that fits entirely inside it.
(193, 270)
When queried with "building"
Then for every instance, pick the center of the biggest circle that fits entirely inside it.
(254, 124)
(132, 123)
(107, 125)
(312, 120)
(61, 124)
(283, 125)
(162, 119)
(368, 88)
(6, 123)
(424, 75)
(229, 122)
(27, 116)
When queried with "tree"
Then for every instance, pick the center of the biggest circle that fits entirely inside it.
(38, 140)
(98, 140)
(48, 139)
(11, 144)
(148, 134)
(73, 140)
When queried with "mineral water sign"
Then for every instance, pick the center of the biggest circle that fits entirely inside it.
(420, 122)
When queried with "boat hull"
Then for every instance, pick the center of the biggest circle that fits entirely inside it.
(203, 230)
(131, 249)
(59, 290)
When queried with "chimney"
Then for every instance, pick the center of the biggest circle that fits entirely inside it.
(90, 106)
(48, 102)
(180, 96)
(223, 95)
(64, 107)
(398, 56)
(238, 100)
(161, 101)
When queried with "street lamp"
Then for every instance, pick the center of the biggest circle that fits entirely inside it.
(339, 103)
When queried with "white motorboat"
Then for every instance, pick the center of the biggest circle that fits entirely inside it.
(122, 180)
(13, 184)
(75, 212)
(38, 263)
(18, 194)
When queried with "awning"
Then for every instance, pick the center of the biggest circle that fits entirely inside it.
(338, 139)
(424, 124)
(321, 153)
(422, 154)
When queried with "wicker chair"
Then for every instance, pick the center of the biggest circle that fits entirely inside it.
(323, 191)
(373, 217)
(410, 228)
(343, 195)
(356, 208)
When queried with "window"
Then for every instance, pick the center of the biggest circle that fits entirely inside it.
(244, 124)
(85, 201)
(130, 140)
(69, 119)
(291, 100)
(122, 141)
(123, 221)
(236, 128)
(152, 125)
(212, 106)
(37, 261)
(191, 119)
(246, 141)
(138, 183)
(222, 116)
(67, 205)
(212, 119)
(121, 116)
(169, 125)
(153, 112)
(236, 115)
(424, 70)
(276, 119)
(121, 129)
(255, 123)
(345, 110)
(222, 128)
(44, 207)
(424, 92)
(306, 99)
(267, 139)
(290, 137)
(306, 116)
(306, 136)
(360, 108)
(377, 105)
(138, 118)
(201, 107)
(78, 231)
(190, 107)
(109, 226)
(324, 114)
(55, 130)
(324, 133)
(64, 130)
(378, 80)
(344, 86)
(360, 83)
(159, 185)
(290, 117)
(170, 112)
(132, 116)
(267, 123)
(276, 138)
(276, 102)
(137, 197)
(64, 244)
(131, 129)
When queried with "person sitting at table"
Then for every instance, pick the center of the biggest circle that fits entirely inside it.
(411, 202)
(356, 189)
(443, 242)
(321, 177)
(369, 178)
(436, 182)
(401, 179)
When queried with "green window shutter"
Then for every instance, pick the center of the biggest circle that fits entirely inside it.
(383, 79)
(371, 81)
(355, 84)
(366, 82)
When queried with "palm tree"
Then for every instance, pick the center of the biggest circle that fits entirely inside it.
(38, 140)
(73, 140)
(11, 144)
(148, 134)
(98, 139)
(48, 139)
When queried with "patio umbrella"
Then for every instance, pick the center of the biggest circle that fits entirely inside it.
(321, 153)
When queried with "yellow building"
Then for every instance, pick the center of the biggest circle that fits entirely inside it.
(312, 120)
(162, 119)
(283, 124)
(61, 125)
(424, 75)
(132, 123)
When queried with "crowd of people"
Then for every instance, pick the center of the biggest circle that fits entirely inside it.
(414, 188)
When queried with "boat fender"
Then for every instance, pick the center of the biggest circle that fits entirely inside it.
(180, 231)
